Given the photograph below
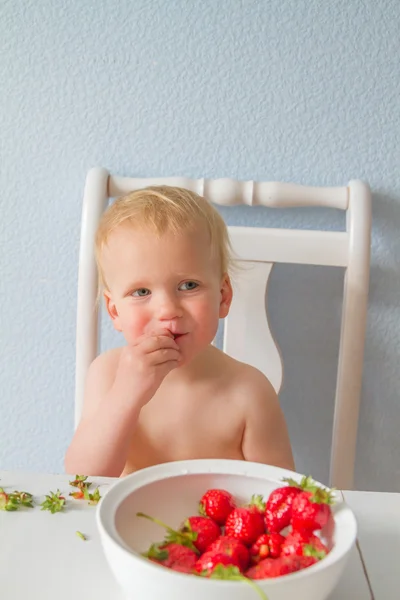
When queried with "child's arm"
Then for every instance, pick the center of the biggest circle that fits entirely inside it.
(266, 438)
(114, 396)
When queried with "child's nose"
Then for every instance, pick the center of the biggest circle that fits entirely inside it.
(168, 309)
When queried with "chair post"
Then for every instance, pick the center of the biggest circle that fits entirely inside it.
(351, 351)
(87, 328)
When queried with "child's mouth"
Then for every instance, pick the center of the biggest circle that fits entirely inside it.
(177, 335)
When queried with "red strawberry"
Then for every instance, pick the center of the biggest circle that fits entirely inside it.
(206, 529)
(234, 549)
(278, 509)
(267, 545)
(303, 543)
(173, 556)
(270, 567)
(196, 533)
(307, 560)
(277, 567)
(311, 508)
(247, 523)
(210, 560)
(217, 504)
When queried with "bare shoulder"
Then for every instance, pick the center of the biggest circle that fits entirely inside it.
(100, 378)
(107, 361)
(265, 436)
(243, 378)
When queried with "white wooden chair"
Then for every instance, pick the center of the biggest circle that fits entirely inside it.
(247, 336)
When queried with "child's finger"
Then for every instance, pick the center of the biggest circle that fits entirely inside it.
(156, 331)
(163, 355)
(154, 334)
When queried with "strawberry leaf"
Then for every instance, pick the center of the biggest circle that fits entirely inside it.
(22, 498)
(92, 498)
(202, 511)
(173, 536)
(15, 501)
(310, 550)
(291, 482)
(157, 552)
(225, 572)
(232, 573)
(80, 482)
(258, 502)
(53, 502)
(319, 495)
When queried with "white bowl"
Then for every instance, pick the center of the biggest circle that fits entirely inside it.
(171, 492)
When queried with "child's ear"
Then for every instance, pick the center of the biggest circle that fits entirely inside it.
(226, 296)
(112, 310)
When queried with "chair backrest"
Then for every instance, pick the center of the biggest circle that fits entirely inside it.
(247, 336)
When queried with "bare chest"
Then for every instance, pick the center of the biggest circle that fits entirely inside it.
(186, 426)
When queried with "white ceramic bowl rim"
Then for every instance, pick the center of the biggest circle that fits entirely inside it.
(106, 510)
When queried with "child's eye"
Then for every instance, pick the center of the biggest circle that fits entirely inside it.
(188, 286)
(141, 292)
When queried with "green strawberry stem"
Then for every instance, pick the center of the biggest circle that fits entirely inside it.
(253, 585)
(233, 574)
(167, 527)
(186, 539)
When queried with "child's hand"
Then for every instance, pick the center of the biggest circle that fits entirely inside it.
(143, 366)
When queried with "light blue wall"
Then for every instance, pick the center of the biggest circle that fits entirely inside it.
(296, 90)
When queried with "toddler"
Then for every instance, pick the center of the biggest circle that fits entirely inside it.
(164, 260)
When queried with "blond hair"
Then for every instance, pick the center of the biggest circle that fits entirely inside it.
(164, 209)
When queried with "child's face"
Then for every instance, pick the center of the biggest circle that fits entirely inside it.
(165, 282)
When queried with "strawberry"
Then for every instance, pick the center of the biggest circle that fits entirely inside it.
(278, 508)
(206, 529)
(307, 560)
(269, 568)
(79, 495)
(196, 533)
(246, 523)
(233, 548)
(210, 560)
(311, 508)
(173, 556)
(277, 567)
(173, 536)
(217, 504)
(303, 543)
(267, 545)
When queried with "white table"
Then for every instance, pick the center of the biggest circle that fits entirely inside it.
(41, 557)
